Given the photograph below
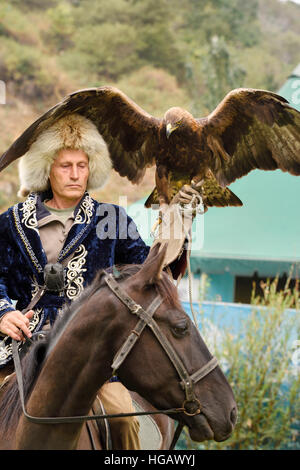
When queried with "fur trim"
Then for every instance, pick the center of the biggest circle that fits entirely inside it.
(73, 132)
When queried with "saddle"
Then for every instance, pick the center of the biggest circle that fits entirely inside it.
(150, 434)
(103, 427)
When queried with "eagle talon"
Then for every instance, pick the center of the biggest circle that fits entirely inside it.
(196, 185)
(155, 227)
(196, 205)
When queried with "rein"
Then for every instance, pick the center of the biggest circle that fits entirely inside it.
(190, 406)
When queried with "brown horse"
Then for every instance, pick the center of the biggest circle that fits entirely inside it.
(63, 374)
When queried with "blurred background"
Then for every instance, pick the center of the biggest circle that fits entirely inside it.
(187, 53)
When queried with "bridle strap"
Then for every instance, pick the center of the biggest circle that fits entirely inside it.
(206, 369)
(135, 334)
(71, 419)
(136, 309)
(146, 317)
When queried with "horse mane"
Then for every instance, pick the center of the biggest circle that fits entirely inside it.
(33, 360)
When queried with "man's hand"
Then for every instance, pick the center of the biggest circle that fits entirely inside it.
(15, 325)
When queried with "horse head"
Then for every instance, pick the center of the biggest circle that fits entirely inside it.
(148, 370)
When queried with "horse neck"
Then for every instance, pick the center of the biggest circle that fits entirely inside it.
(77, 366)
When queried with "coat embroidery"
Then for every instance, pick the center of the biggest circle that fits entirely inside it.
(22, 234)
(29, 212)
(34, 287)
(85, 212)
(4, 304)
(5, 343)
(84, 254)
(5, 350)
(83, 217)
(75, 270)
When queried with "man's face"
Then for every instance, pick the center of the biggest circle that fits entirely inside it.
(69, 174)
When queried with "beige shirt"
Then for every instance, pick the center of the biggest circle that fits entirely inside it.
(54, 229)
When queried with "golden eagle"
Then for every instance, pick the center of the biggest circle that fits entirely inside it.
(249, 129)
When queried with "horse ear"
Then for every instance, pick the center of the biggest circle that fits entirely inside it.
(153, 265)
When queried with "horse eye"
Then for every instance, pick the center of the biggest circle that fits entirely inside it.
(180, 329)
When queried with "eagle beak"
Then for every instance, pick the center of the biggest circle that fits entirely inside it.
(170, 129)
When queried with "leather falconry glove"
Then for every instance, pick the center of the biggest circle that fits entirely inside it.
(176, 221)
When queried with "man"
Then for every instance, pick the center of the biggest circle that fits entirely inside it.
(60, 223)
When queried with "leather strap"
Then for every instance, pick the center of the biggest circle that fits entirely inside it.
(34, 299)
(71, 419)
(135, 334)
(146, 318)
(211, 365)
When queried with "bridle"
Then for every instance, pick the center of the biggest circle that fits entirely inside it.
(191, 405)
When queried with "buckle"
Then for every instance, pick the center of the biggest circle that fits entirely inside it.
(135, 309)
(191, 407)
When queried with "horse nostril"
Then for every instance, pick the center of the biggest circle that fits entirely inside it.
(233, 415)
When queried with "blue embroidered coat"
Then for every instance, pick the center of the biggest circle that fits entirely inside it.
(102, 235)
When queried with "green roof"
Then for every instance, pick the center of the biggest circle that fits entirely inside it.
(263, 235)
(291, 89)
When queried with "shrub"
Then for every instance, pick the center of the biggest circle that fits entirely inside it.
(107, 50)
(59, 34)
(263, 372)
(23, 68)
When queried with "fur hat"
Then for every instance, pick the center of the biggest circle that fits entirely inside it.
(71, 132)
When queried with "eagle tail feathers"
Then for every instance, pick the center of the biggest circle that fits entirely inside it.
(227, 198)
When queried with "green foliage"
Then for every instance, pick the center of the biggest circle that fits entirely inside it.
(117, 40)
(108, 50)
(16, 25)
(26, 5)
(218, 71)
(19, 61)
(233, 20)
(61, 27)
(24, 66)
(91, 12)
(159, 44)
(209, 46)
(155, 88)
(213, 32)
(260, 370)
(223, 74)
(104, 41)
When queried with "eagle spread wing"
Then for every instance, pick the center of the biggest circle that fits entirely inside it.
(252, 129)
(128, 130)
(249, 129)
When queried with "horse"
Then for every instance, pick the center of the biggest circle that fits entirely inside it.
(62, 374)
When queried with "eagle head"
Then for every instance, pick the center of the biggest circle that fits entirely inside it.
(176, 118)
